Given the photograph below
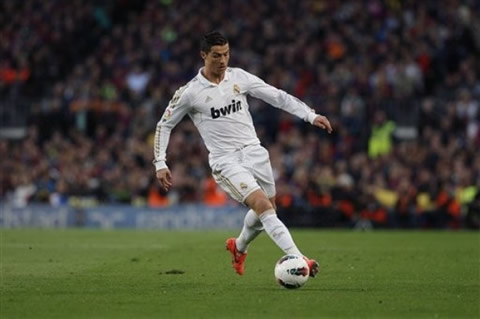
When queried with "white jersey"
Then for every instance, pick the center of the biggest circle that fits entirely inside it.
(221, 112)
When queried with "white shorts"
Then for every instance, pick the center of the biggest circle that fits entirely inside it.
(244, 171)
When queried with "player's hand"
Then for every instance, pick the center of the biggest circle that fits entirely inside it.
(165, 178)
(322, 122)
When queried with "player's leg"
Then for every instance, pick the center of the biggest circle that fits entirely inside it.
(238, 182)
(252, 227)
(262, 170)
(273, 201)
(262, 201)
(275, 228)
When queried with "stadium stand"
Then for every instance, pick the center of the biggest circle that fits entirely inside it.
(83, 83)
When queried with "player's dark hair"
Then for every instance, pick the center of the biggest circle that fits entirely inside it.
(210, 39)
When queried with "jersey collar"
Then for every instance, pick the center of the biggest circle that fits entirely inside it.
(206, 82)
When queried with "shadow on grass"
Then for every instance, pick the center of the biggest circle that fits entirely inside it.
(309, 289)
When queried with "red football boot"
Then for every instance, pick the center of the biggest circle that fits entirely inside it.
(238, 258)
(313, 266)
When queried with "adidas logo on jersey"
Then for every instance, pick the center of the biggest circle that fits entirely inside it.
(235, 106)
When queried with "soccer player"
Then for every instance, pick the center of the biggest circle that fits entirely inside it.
(216, 101)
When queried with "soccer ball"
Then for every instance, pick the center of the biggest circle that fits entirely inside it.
(291, 271)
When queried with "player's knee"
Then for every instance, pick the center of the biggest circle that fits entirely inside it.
(272, 201)
(259, 203)
(262, 205)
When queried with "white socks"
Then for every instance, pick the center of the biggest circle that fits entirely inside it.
(278, 232)
(252, 226)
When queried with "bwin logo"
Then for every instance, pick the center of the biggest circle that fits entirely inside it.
(225, 110)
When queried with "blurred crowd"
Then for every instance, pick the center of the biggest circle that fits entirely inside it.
(399, 80)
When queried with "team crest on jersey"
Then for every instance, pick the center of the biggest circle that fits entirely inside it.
(236, 89)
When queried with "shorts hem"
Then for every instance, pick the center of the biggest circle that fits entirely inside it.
(249, 193)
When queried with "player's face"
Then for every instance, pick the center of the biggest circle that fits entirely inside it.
(216, 61)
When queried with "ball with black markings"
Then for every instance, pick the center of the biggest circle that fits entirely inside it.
(291, 271)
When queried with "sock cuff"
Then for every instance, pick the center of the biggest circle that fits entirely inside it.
(252, 219)
(266, 215)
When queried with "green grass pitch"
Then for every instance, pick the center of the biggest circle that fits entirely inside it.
(138, 274)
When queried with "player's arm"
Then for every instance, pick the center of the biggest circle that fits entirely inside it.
(282, 100)
(175, 111)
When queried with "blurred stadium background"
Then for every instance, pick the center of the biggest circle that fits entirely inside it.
(83, 83)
